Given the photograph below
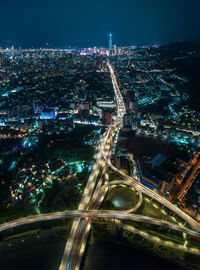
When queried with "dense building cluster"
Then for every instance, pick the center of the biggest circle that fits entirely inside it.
(49, 92)
(160, 108)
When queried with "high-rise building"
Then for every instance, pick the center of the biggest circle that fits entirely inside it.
(115, 49)
(110, 45)
(95, 50)
(106, 117)
(47, 115)
(119, 51)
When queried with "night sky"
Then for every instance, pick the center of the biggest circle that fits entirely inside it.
(86, 22)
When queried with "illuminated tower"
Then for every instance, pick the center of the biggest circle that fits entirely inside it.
(110, 44)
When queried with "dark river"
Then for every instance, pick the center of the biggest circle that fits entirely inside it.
(45, 253)
(109, 256)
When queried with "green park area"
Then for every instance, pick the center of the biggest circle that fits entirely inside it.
(152, 208)
(69, 147)
(149, 206)
(50, 177)
(120, 198)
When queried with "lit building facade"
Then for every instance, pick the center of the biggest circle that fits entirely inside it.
(115, 49)
(110, 45)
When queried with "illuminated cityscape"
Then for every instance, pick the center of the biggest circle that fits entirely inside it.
(99, 137)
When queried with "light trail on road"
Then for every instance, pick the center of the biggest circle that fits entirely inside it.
(194, 224)
(73, 253)
(94, 193)
(104, 214)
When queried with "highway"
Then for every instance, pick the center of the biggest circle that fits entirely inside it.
(80, 229)
(138, 185)
(73, 241)
(94, 193)
(89, 214)
(75, 260)
(126, 183)
(158, 241)
(154, 195)
(80, 238)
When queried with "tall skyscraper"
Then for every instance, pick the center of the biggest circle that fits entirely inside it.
(119, 51)
(110, 44)
(115, 49)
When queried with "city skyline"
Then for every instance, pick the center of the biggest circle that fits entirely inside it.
(87, 24)
(100, 144)
(100, 135)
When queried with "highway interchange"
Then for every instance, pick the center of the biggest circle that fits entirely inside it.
(77, 241)
(94, 193)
